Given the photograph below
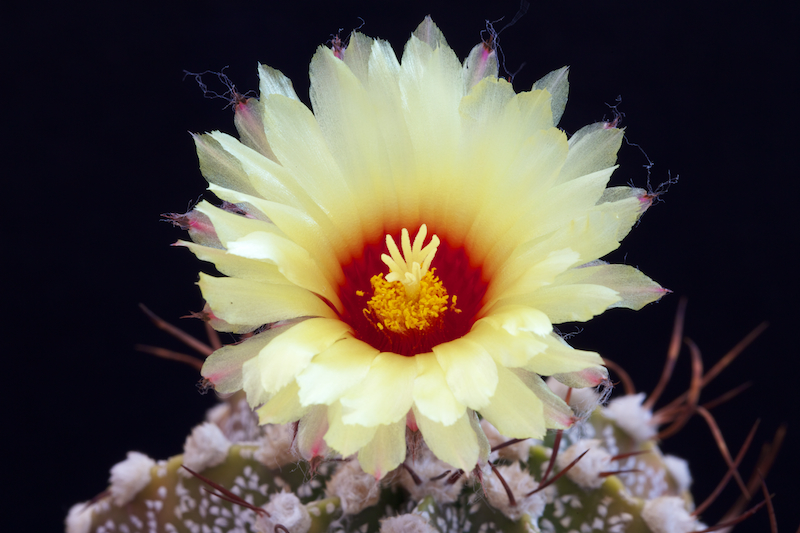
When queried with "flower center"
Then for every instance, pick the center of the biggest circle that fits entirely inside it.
(411, 308)
(411, 297)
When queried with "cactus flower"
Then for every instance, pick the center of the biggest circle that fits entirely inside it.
(402, 252)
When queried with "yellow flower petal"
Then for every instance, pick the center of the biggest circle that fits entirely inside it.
(559, 357)
(455, 444)
(519, 318)
(236, 267)
(432, 396)
(385, 451)
(273, 81)
(514, 409)
(293, 261)
(531, 278)
(570, 303)
(635, 289)
(288, 354)
(557, 85)
(224, 367)
(282, 408)
(558, 212)
(300, 146)
(333, 371)
(591, 148)
(346, 439)
(310, 432)
(265, 178)
(507, 349)
(220, 167)
(250, 303)
(469, 370)
(384, 396)
(557, 414)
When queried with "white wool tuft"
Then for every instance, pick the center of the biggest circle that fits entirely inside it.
(668, 514)
(582, 401)
(129, 477)
(520, 483)
(356, 489)
(631, 417)
(79, 519)
(679, 470)
(287, 510)
(406, 523)
(427, 467)
(207, 446)
(217, 414)
(586, 472)
(275, 446)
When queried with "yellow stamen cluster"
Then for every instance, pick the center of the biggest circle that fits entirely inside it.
(393, 309)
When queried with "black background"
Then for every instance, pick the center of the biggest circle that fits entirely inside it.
(97, 115)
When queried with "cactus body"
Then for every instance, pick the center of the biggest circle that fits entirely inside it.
(338, 496)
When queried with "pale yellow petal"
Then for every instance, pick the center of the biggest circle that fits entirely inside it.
(299, 144)
(432, 87)
(248, 119)
(219, 166)
(432, 396)
(589, 377)
(559, 357)
(335, 370)
(403, 194)
(251, 384)
(534, 109)
(311, 431)
(484, 447)
(293, 261)
(489, 147)
(569, 303)
(514, 280)
(237, 267)
(591, 148)
(525, 185)
(269, 180)
(514, 409)
(246, 302)
(469, 370)
(557, 414)
(518, 318)
(507, 350)
(224, 367)
(557, 85)
(346, 439)
(356, 55)
(592, 234)
(305, 231)
(429, 33)
(282, 408)
(559, 212)
(273, 81)
(455, 444)
(384, 396)
(385, 451)
(280, 361)
(230, 226)
(346, 120)
(635, 289)
(481, 63)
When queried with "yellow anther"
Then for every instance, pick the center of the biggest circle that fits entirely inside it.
(391, 307)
